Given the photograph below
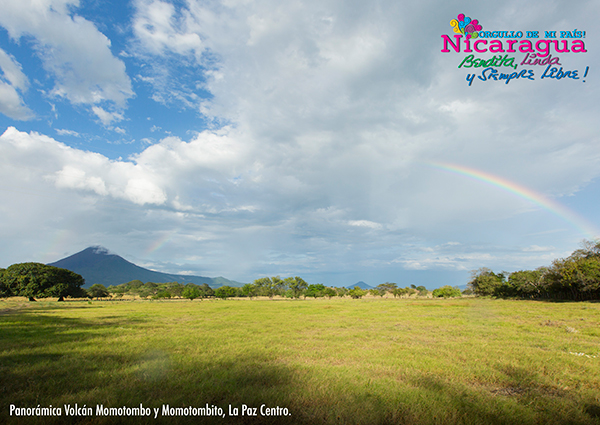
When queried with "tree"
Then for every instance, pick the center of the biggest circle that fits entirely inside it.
(249, 290)
(5, 290)
(485, 282)
(383, 288)
(161, 293)
(315, 291)
(576, 277)
(175, 288)
(375, 292)
(422, 290)
(264, 286)
(356, 292)
(329, 292)
(191, 292)
(523, 283)
(269, 287)
(206, 291)
(98, 291)
(133, 285)
(446, 291)
(225, 292)
(39, 280)
(341, 292)
(296, 285)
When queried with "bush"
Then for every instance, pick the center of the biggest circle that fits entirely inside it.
(356, 293)
(98, 291)
(446, 291)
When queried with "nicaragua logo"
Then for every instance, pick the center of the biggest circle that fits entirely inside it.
(469, 37)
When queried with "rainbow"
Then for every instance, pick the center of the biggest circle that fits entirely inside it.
(160, 242)
(586, 228)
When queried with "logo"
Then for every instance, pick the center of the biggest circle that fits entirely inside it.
(535, 51)
(464, 25)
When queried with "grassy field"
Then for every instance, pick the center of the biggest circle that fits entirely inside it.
(369, 361)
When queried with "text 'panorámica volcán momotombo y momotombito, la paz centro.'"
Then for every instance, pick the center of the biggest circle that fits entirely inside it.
(165, 410)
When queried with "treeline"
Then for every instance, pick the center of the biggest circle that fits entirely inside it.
(36, 280)
(290, 287)
(576, 277)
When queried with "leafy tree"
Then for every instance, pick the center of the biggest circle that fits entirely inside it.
(151, 287)
(162, 293)
(191, 292)
(329, 292)
(422, 290)
(296, 285)
(206, 291)
(446, 291)
(315, 291)
(356, 292)
(399, 292)
(383, 288)
(485, 282)
(5, 290)
(225, 292)
(42, 281)
(375, 292)
(576, 277)
(249, 290)
(118, 289)
(98, 290)
(341, 291)
(264, 286)
(269, 287)
(523, 283)
(174, 288)
(277, 286)
(133, 285)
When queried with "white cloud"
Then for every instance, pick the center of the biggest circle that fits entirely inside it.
(11, 103)
(70, 168)
(107, 118)
(72, 50)
(65, 132)
(157, 27)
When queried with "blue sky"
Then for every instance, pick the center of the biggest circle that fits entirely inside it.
(245, 138)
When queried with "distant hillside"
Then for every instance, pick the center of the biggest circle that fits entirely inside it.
(98, 265)
(361, 285)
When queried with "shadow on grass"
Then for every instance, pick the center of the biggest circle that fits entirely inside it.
(40, 365)
(521, 400)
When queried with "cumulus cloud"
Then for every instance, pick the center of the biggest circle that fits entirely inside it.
(45, 159)
(72, 50)
(12, 83)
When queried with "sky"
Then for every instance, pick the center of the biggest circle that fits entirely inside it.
(331, 140)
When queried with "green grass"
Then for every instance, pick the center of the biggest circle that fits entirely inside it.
(369, 361)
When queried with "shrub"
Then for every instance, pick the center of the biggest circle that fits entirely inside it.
(446, 291)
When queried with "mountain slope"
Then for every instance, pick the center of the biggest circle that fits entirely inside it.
(98, 265)
(361, 285)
